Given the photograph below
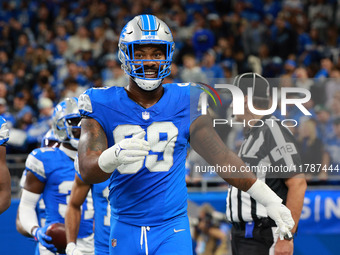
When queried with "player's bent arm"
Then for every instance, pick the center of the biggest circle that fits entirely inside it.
(206, 142)
(27, 215)
(296, 192)
(73, 212)
(5, 182)
(92, 143)
(30, 196)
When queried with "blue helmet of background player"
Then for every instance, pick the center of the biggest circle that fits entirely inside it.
(66, 120)
(145, 29)
(49, 139)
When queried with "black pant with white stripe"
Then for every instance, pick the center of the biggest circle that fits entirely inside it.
(259, 244)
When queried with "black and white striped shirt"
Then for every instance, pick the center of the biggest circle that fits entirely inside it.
(272, 147)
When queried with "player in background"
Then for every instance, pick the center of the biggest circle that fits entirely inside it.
(5, 177)
(50, 172)
(137, 136)
(49, 140)
(100, 193)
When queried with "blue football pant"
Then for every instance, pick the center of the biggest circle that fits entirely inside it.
(171, 238)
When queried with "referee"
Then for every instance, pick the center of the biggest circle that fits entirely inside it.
(270, 145)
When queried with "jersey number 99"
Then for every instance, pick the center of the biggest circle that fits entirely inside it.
(161, 136)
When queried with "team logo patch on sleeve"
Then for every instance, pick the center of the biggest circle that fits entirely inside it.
(84, 103)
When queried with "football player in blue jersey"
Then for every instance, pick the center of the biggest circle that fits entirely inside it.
(5, 177)
(100, 194)
(137, 136)
(49, 140)
(50, 172)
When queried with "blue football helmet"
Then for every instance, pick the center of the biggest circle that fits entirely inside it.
(65, 120)
(49, 139)
(145, 29)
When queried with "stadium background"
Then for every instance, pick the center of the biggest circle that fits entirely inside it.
(55, 49)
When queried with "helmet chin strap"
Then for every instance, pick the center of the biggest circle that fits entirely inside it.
(147, 85)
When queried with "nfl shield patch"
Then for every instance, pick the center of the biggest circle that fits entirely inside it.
(145, 115)
(114, 242)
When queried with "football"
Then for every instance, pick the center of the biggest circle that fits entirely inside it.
(58, 234)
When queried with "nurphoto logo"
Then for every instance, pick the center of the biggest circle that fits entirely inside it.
(238, 101)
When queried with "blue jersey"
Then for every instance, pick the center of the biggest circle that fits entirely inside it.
(54, 168)
(100, 194)
(154, 190)
(4, 131)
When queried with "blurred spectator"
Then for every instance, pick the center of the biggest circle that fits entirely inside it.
(24, 118)
(286, 80)
(19, 103)
(216, 25)
(44, 33)
(79, 41)
(36, 131)
(74, 71)
(3, 90)
(98, 40)
(210, 235)
(326, 68)
(212, 71)
(191, 72)
(11, 83)
(335, 105)
(173, 77)
(40, 59)
(332, 148)
(289, 66)
(320, 14)
(21, 46)
(60, 28)
(111, 61)
(283, 39)
(302, 80)
(119, 78)
(43, 14)
(203, 40)
(72, 88)
(333, 84)
(4, 61)
(310, 147)
(324, 123)
(43, 85)
(253, 36)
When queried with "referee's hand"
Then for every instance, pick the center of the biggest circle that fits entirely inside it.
(283, 219)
